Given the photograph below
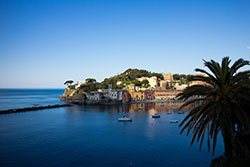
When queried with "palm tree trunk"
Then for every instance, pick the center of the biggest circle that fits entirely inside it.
(228, 147)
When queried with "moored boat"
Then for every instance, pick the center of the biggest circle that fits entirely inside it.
(125, 119)
(156, 115)
(173, 121)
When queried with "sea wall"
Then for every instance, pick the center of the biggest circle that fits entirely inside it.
(9, 111)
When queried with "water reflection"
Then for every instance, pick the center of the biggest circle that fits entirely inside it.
(91, 136)
(150, 108)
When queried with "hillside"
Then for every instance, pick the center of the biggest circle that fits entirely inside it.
(127, 77)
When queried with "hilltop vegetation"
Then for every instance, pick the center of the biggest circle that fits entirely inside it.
(129, 77)
(182, 78)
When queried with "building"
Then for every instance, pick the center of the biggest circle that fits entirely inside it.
(79, 83)
(142, 95)
(165, 94)
(148, 94)
(168, 76)
(131, 87)
(197, 82)
(94, 96)
(180, 87)
(165, 84)
(118, 95)
(137, 95)
(126, 97)
(153, 81)
(118, 82)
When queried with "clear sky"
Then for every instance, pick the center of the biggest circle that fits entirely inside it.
(43, 43)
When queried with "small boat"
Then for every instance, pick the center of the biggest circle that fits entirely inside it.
(180, 112)
(174, 108)
(125, 119)
(156, 115)
(173, 121)
(168, 113)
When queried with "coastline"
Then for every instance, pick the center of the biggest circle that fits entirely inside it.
(70, 103)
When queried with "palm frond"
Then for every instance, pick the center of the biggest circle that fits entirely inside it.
(221, 104)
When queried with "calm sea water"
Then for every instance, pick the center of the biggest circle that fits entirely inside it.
(90, 136)
(17, 98)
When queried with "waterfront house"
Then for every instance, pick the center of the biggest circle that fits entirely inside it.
(126, 97)
(94, 96)
(165, 94)
(119, 95)
(116, 95)
(142, 95)
(137, 95)
(148, 94)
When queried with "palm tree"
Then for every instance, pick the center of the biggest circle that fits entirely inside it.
(220, 105)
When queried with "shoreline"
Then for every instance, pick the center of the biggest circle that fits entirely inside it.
(104, 102)
(75, 102)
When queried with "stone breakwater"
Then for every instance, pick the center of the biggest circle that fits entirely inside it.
(10, 111)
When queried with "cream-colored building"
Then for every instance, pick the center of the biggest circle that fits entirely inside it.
(79, 83)
(165, 84)
(197, 82)
(180, 87)
(131, 87)
(168, 76)
(153, 81)
(165, 94)
(118, 82)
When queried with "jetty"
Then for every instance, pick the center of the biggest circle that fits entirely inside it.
(26, 109)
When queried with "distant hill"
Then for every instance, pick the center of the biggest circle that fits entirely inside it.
(129, 76)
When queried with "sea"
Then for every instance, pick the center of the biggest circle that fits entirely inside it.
(92, 136)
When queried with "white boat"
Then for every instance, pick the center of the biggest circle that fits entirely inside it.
(173, 121)
(125, 119)
(140, 109)
(156, 115)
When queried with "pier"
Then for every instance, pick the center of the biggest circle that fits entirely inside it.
(26, 109)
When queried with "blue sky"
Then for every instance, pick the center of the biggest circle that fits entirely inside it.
(43, 43)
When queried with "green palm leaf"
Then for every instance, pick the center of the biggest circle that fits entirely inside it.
(221, 105)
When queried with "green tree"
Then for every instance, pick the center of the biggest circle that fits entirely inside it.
(158, 75)
(145, 83)
(88, 87)
(181, 76)
(90, 80)
(132, 74)
(68, 82)
(221, 105)
(137, 82)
